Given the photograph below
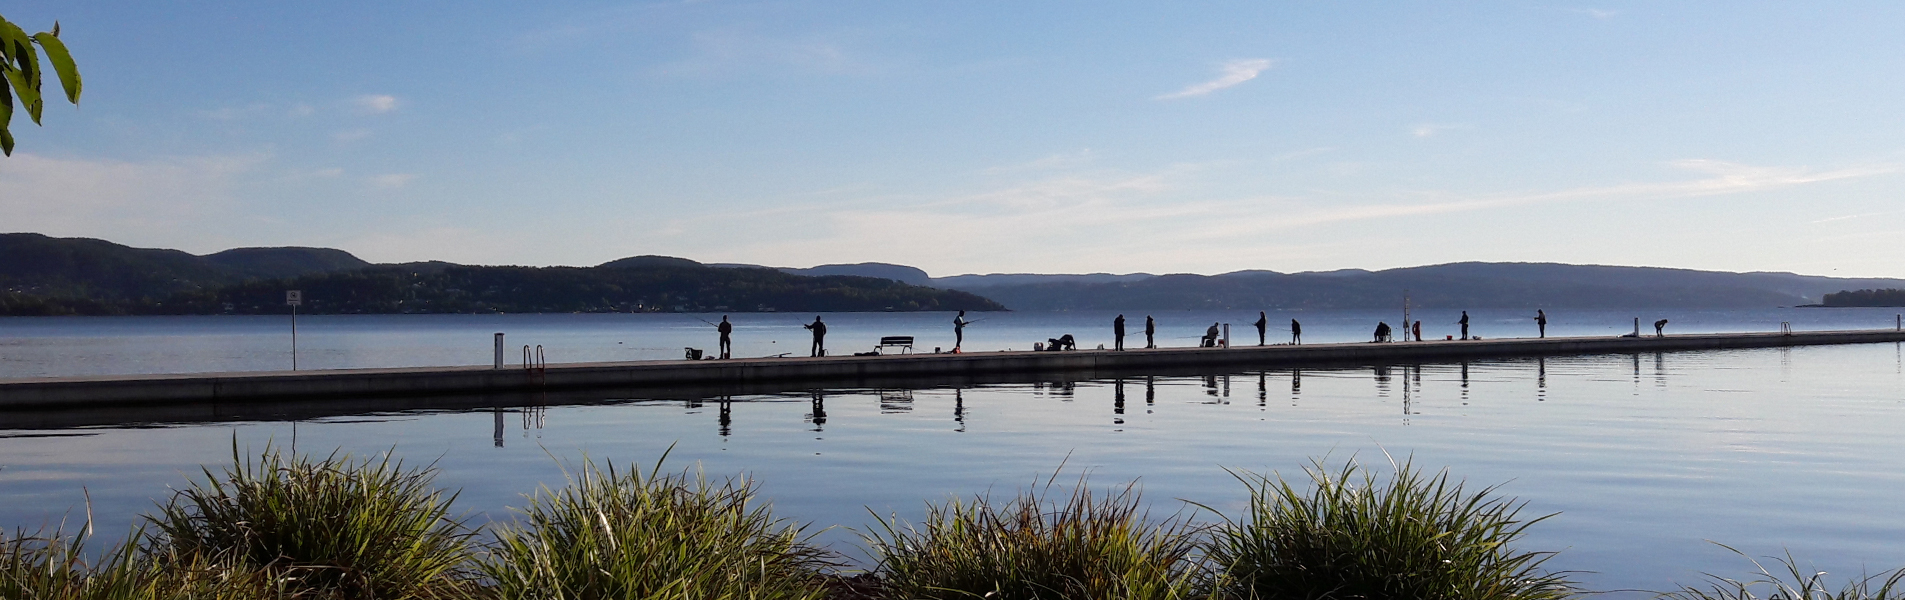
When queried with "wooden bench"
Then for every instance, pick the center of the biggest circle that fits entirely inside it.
(905, 342)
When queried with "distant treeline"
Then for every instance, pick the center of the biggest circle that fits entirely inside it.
(1886, 297)
(46, 276)
(471, 289)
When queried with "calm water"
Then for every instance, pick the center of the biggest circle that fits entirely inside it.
(53, 346)
(1645, 457)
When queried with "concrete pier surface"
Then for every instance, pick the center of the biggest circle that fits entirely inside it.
(359, 384)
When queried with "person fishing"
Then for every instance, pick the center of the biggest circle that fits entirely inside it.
(959, 330)
(1416, 330)
(1117, 333)
(1263, 325)
(1063, 342)
(1383, 331)
(820, 336)
(1464, 324)
(1210, 337)
(1541, 322)
(727, 344)
(1296, 332)
(1660, 328)
(1150, 332)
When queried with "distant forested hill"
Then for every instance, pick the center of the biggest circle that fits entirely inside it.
(1886, 297)
(471, 289)
(41, 275)
(1458, 285)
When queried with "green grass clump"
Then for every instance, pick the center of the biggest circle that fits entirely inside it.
(1793, 584)
(39, 565)
(1088, 547)
(623, 535)
(1356, 536)
(330, 528)
(55, 567)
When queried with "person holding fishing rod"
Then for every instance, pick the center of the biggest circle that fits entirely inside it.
(820, 336)
(959, 331)
(727, 344)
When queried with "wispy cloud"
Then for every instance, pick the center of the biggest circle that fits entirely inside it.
(125, 201)
(1723, 178)
(721, 51)
(393, 180)
(1598, 13)
(1234, 72)
(1299, 154)
(375, 104)
(1857, 216)
(1062, 160)
(1064, 220)
(1430, 129)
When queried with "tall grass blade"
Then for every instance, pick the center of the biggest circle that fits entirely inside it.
(1353, 535)
(629, 535)
(1085, 546)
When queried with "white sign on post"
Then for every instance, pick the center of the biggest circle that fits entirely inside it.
(294, 297)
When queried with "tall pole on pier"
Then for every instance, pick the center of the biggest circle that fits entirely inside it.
(293, 298)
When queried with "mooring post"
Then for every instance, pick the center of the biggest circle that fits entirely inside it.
(499, 350)
(1226, 335)
(1636, 326)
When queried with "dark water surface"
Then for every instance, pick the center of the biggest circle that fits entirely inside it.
(1645, 456)
(56, 346)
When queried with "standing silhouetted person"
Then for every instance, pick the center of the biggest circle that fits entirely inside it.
(726, 329)
(820, 336)
(1263, 325)
(1660, 328)
(1150, 332)
(1541, 322)
(959, 330)
(1464, 324)
(1117, 333)
(1417, 330)
(1296, 332)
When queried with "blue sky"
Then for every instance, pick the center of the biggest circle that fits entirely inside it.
(967, 137)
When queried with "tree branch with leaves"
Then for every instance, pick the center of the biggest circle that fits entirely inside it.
(20, 65)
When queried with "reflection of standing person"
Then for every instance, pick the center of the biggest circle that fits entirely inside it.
(1660, 327)
(1416, 330)
(1117, 333)
(1263, 325)
(1296, 332)
(1150, 332)
(726, 329)
(1464, 323)
(1541, 322)
(820, 336)
(959, 330)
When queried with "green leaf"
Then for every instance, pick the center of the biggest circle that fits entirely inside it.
(10, 37)
(6, 117)
(29, 97)
(62, 62)
(18, 49)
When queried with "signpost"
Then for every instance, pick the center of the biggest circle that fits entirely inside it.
(293, 298)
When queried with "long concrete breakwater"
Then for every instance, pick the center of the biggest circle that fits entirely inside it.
(267, 386)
